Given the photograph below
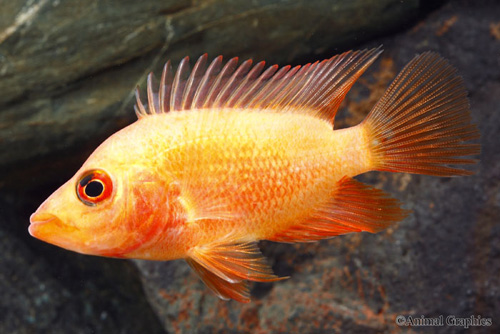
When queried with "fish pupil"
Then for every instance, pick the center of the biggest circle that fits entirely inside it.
(94, 188)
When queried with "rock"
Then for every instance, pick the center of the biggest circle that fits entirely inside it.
(442, 260)
(68, 69)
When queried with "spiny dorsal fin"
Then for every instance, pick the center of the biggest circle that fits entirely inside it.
(316, 89)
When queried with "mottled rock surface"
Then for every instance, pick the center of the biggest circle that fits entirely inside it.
(67, 70)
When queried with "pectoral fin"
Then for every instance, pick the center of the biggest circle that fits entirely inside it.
(225, 265)
(223, 289)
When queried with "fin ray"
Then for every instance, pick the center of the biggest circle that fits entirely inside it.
(165, 87)
(178, 84)
(193, 81)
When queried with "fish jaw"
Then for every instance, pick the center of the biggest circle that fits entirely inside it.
(49, 228)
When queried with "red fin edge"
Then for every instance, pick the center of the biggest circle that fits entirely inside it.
(354, 207)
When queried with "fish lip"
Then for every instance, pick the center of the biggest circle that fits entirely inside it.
(39, 219)
(42, 218)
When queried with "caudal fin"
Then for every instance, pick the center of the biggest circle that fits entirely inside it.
(422, 122)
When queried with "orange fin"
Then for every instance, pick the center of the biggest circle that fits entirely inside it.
(422, 122)
(354, 207)
(223, 289)
(317, 89)
(225, 265)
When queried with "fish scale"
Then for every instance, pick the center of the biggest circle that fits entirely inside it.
(265, 155)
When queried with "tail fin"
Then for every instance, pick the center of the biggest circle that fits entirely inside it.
(421, 123)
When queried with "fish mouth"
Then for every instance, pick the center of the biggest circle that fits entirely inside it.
(49, 228)
(39, 219)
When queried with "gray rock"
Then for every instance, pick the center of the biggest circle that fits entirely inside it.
(68, 68)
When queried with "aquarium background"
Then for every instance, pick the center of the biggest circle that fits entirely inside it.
(68, 70)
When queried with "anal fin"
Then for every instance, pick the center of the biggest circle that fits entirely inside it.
(225, 265)
(354, 207)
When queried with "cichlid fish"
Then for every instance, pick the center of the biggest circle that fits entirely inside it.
(224, 156)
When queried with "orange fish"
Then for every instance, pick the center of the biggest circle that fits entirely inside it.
(226, 155)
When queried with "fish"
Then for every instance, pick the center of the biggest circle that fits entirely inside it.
(226, 154)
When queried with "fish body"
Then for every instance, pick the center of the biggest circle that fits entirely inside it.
(226, 156)
(249, 173)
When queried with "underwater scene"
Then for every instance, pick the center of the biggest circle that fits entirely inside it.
(266, 166)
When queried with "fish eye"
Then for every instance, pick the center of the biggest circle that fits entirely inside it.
(93, 187)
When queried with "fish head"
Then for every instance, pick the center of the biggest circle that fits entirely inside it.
(106, 209)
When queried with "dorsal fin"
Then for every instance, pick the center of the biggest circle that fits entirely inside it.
(316, 89)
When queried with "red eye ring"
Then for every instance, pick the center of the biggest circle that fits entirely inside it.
(93, 187)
